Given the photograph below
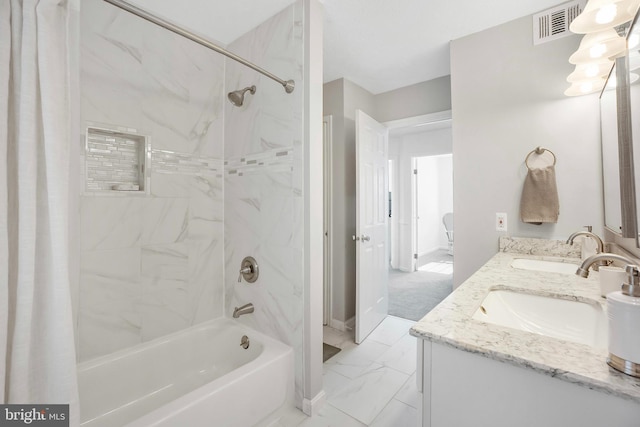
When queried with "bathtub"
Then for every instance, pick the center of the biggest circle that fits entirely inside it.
(201, 376)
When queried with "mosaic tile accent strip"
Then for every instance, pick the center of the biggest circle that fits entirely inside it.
(114, 161)
(279, 159)
(164, 161)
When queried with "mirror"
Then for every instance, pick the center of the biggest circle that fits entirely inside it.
(620, 150)
(633, 66)
(610, 166)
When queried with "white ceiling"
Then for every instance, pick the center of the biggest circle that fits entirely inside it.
(380, 45)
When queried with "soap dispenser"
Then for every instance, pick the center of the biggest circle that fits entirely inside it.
(623, 309)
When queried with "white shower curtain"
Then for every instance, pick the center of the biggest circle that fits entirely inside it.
(37, 354)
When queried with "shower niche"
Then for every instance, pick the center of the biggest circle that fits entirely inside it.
(116, 161)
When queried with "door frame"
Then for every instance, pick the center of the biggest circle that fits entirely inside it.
(416, 121)
(327, 125)
(396, 128)
(415, 214)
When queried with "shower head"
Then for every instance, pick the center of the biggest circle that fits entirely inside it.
(237, 96)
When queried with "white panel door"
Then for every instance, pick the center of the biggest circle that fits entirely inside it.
(372, 301)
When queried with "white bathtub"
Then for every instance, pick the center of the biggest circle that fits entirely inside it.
(197, 377)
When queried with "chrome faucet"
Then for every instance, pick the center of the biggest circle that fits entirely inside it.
(583, 270)
(599, 249)
(245, 309)
(589, 234)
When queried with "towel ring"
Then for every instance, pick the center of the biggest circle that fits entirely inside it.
(539, 151)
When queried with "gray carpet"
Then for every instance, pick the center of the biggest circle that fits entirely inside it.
(413, 295)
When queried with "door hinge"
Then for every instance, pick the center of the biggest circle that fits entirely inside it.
(415, 171)
(415, 256)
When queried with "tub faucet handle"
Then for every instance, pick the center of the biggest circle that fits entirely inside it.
(243, 270)
(249, 270)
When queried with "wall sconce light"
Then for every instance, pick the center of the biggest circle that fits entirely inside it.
(585, 87)
(598, 46)
(599, 15)
(590, 71)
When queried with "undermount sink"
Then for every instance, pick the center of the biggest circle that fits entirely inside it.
(567, 320)
(547, 266)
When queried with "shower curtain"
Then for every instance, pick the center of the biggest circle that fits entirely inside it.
(37, 353)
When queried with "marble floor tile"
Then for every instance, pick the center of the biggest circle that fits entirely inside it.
(409, 393)
(401, 356)
(391, 330)
(367, 395)
(291, 417)
(329, 416)
(333, 382)
(373, 383)
(396, 414)
(337, 338)
(352, 362)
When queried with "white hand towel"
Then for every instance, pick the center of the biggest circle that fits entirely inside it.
(539, 202)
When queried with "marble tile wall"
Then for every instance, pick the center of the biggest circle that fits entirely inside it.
(263, 182)
(151, 263)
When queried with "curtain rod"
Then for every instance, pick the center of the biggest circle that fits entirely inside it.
(288, 85)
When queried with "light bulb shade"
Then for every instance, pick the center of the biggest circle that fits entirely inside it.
(602, 45)
(585, 87)
(590, 71)
(600, 15)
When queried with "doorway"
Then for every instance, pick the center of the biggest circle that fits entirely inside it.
(421, 270)
(433, 203)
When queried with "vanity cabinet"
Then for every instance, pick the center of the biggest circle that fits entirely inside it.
(474, 373)
(463, 389)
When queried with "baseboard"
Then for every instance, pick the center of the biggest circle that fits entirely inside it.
(311, 407)
(350, 323)
(431, 251)
(337, 324)
(347, 325)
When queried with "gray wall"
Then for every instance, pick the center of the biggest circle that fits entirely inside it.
(421, 98)
(341, 100)
(507, 98)
(333, 105)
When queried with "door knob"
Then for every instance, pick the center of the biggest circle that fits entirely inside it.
(365, 238)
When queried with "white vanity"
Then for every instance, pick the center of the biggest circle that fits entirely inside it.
(523, 343)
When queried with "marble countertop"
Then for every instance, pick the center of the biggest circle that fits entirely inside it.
(451, 323)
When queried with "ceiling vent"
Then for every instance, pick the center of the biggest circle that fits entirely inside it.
(553, 24)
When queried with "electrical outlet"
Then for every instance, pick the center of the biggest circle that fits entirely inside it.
(501, 221)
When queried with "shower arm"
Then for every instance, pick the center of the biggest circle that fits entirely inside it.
(288, 85)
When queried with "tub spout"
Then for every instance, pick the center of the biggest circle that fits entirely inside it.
(245, 309)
